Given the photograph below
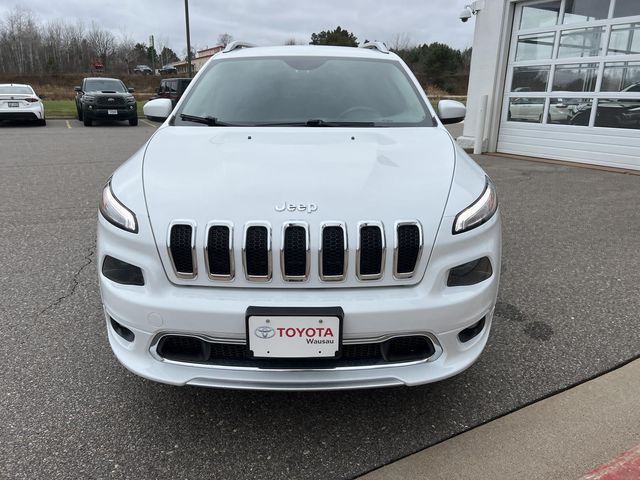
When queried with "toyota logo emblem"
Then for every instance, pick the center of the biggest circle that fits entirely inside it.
(265, 332)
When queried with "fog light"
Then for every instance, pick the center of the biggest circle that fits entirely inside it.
(122, 272)
(90, 107)
(470, 273)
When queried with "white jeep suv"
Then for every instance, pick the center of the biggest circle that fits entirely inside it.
(301, 221)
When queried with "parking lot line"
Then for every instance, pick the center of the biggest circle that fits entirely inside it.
(148, 123)
(68, 124)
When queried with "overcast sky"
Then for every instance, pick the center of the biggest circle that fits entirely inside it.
(265, 22)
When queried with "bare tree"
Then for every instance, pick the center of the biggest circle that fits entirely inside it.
(101, 42)
(224, 39)
(293, 41)
(400, 41)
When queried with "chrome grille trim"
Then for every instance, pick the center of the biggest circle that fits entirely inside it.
(232, 270)
(257, 278)
(399, 224)
(377, 276)
(295, 278)
(202, 235)
(194, 258)
(333, 278)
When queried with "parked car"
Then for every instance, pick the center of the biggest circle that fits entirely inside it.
(168, 70)
(20, 102)
(172, 88)
(531, 109)
(612, 112)
(288, 229)
(143, 70)
(101, 98)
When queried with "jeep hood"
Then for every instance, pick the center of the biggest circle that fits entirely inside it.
(240, 175)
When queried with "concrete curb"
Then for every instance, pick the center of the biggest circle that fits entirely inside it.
(562, 436)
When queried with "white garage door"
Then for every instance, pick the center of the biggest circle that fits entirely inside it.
(573, 82)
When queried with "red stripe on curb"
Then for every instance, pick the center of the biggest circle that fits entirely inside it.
(624, 467)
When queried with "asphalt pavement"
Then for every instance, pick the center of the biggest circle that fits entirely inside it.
(568, 311)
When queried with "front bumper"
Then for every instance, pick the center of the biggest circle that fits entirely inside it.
(428, 308)
(124, 113)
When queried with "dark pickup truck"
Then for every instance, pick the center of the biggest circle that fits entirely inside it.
(101, 98)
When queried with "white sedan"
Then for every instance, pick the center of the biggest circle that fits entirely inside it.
(20, 102)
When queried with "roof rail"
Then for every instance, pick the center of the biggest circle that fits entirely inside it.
(237, 45)
(381, 47)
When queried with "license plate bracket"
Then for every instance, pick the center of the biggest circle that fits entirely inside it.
(112, 112)
(14, 104)
(267, 328)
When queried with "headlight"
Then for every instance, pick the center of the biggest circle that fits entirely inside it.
(479, 211)
(89, 98)
(130, 99)
(115, 212)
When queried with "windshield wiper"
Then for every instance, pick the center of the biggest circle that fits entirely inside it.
(316, 122)
(323, 123)
(209, 121)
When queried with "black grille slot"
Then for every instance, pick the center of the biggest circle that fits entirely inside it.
(409, 244)
(333, 252)
(180, 247)
(257, 252)
(110, 101)
(218, 251)
(295, 251)
(371, 250)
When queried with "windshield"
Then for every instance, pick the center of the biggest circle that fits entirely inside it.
(9, 90)
(104, 86)
(298, 90)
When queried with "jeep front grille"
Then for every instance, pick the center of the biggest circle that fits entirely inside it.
(219, 252)
(370, 252)
(408, 248)
(182, 249)
(333, 252)
(257, 252)
(295, 250)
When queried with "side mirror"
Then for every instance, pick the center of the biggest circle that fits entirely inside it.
(42, 97)
(158, 110)
(158, 90)
(131, 90)
(450, 111)
(77, 89)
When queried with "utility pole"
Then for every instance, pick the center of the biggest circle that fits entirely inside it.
(186, 18)
(153, 54)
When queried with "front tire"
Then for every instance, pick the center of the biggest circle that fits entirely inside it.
(42, 122)
(87, 121)
(133, 122)
(79, 113)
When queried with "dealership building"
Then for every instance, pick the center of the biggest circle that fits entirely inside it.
(560, 78)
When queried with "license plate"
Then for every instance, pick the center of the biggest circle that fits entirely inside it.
(112, 112)
(14, 104)
(291, 335)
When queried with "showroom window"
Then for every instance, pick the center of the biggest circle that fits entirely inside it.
(575, 63)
